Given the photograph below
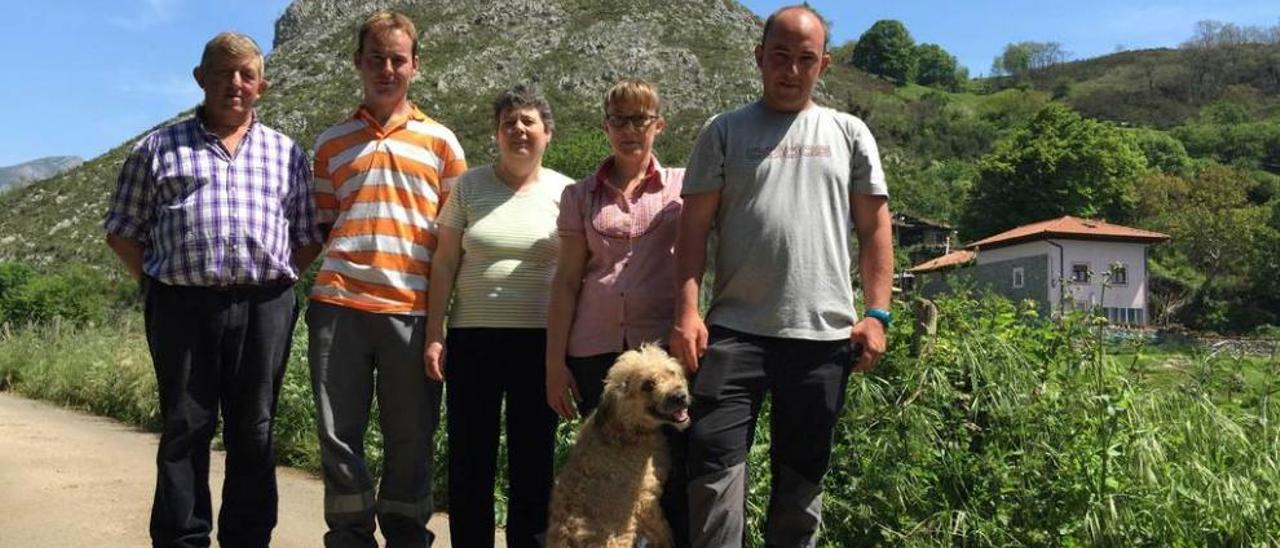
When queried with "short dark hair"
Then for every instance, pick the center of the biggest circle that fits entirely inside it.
(826, 27)
(383, 21)
(521, 97)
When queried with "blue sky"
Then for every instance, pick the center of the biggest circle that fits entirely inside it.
(81, 76)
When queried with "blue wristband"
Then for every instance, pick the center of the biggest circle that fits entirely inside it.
(881, 314)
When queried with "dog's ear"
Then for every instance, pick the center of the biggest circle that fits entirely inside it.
(607, 409)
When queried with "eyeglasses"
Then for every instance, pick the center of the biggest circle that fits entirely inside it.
(638, 121)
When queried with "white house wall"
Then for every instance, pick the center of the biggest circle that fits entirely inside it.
(1099, 256)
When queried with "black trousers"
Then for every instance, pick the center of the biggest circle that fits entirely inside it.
(482, 365)
(217, 350)
(806, 381)
(589, 373)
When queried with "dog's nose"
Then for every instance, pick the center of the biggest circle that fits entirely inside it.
(678, 399)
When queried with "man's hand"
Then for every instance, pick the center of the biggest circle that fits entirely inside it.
(562, 391)
(434, 357)
(868, 335)
(688, 340)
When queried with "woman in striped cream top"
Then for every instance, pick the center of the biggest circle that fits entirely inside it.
(496, 253)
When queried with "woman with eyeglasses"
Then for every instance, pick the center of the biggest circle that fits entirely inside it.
(614, 285)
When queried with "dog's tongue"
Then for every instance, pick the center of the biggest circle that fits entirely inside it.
(680, 416)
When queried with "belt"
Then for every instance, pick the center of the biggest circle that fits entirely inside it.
(269, 284)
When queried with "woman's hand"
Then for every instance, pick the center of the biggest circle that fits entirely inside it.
(562, 391)
(434, 357)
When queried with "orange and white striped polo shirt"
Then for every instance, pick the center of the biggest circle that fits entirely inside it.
(380, 188)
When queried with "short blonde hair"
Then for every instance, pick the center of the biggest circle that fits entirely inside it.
(382, 21)
(633, 92)
(231, 45)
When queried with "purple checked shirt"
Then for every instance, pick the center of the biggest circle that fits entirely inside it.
(208, 218)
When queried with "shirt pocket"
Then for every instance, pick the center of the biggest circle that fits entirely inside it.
(176, 190)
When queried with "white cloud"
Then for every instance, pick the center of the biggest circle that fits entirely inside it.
(149, 13)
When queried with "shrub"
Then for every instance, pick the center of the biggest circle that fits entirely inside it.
(76, 295)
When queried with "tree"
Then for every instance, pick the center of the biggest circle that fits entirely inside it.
(1020, 59)
(1264, 271)
(1058, 164)
(1163, 152)
(843, 53)
(935, 67)
(1213, 34)
(888, 50)
(1214, 228)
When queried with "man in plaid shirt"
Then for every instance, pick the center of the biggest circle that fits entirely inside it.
(214, 216)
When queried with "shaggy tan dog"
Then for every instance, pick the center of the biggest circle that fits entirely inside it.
(607, 493)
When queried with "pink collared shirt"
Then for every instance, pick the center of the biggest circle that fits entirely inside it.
(628, 287)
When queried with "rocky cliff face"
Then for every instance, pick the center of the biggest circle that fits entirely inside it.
(697, 51)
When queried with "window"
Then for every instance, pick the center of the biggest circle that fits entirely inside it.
(1080, 273)
(1125, 316)
(1119, 274)
(1019, 278)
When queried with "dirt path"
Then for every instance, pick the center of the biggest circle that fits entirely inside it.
(68, 479)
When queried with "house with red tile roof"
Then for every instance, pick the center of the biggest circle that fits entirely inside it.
(1063, 263)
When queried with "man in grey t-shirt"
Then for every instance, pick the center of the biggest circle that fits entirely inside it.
(786, 183)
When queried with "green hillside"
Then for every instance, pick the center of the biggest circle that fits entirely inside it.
(1005, 427)
(574, 50)
(1184, 110)
(1167, 87)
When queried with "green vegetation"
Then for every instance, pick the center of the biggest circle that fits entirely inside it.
(1021, 59)
(1218, 271)
(1059, 164)
(935, 67)
(1007, 429)
(953, 148)
(887, 49)
(1011, 429)
(75, 295)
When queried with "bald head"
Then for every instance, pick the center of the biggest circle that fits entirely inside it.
(800, 15)
(792, 58)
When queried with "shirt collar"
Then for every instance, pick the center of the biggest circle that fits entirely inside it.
(362, 113)
(200, 122)
(653, 179)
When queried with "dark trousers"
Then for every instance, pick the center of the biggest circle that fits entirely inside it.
(806, 381)
(483, 365)
(589, 373)
(217, 350)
